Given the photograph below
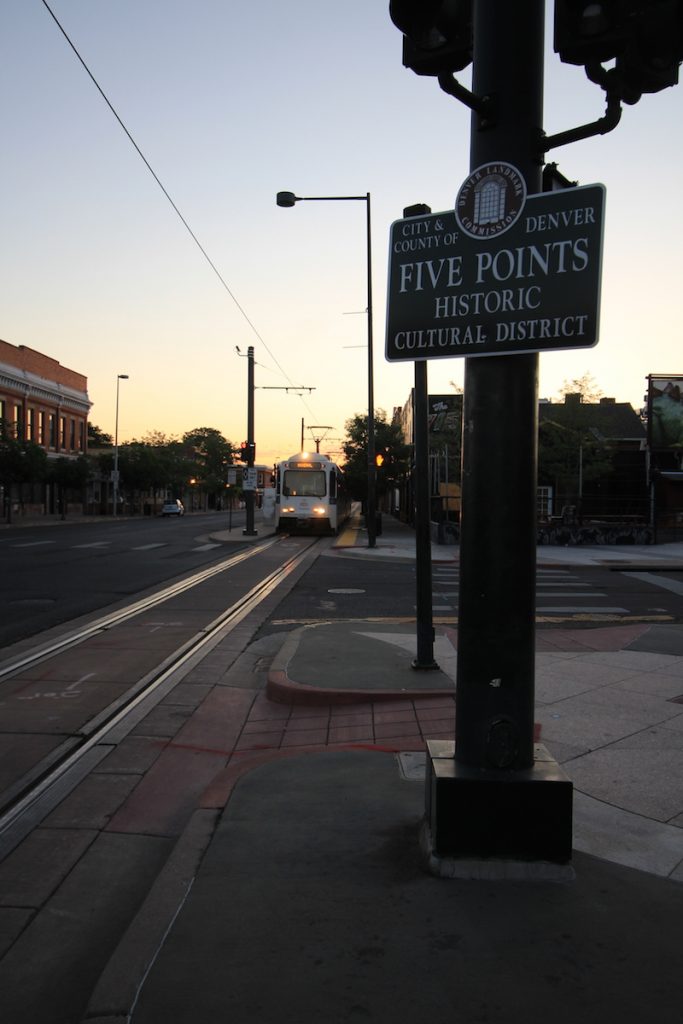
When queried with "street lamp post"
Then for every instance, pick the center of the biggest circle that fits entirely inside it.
(288, 199)
(120, 377)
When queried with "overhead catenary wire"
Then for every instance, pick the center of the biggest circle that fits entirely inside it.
(165, 192)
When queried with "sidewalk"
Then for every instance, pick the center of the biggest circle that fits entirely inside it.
(295, 894)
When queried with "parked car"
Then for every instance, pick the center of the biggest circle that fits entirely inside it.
(173, 508)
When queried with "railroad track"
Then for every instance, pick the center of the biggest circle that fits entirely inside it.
(33, 796)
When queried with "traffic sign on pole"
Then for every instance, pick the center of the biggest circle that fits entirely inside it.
(249, 478)
(502, 273)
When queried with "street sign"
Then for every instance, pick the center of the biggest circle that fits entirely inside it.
(249, 478)
(532, 286)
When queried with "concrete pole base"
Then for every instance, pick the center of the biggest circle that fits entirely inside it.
(479, 818)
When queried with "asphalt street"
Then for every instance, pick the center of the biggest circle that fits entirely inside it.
(338, 587)
(52, 574)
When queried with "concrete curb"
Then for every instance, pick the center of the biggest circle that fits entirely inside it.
(115, 994)
(281, 689)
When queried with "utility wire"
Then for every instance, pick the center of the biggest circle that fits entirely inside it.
(159, 183)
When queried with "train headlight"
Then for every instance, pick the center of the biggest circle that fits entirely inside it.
(289, 508)
(319, 510)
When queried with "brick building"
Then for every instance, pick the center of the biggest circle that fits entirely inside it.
(42, 401)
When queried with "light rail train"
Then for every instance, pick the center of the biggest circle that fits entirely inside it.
(310, 495)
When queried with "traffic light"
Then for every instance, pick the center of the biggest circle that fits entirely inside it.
(587, 33)
(437, 34)
(643, 37)
(247, 451)
(650, 62)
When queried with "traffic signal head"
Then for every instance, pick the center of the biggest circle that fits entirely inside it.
(247, 451)
(645, 39)
(586, 33)
(651, 60)
(437, 34)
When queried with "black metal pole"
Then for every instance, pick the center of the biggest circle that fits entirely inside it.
(423, 541)
(288, 199)
(496, 630)
(372, 468)
(249, 495)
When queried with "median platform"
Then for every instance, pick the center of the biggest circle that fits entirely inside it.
(296, 891)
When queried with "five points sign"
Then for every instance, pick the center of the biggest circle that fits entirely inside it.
(503, 273)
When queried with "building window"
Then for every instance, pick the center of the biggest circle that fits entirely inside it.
(31, 425)
(544, 502)
(2, 409)
(18, 424)
(81, 436)
(52, 425)
(41, 427)
(62, 432)
(72, 436)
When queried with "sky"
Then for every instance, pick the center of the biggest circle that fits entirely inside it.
(230, 103)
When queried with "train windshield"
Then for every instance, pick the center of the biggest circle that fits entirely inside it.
(298, 483)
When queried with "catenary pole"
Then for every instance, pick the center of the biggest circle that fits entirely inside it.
(249, 495)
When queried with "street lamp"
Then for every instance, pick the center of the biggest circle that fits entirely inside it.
(120, 377)
(288, 199)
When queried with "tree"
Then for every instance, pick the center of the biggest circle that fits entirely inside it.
(209, 453)
(20, 462)
(391, 452)
(97, 437)
(68, 475)
(157, 439)
(570, 456)
(586, 386)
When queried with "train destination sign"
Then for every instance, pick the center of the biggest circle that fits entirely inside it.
(502, 273)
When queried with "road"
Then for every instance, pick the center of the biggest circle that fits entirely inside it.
(54, 573)
(338, 587)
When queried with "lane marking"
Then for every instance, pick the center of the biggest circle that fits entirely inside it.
(657, 581)
(33, 543)
(148, 547)
(564, 583)
(67, 691)
(581, 610)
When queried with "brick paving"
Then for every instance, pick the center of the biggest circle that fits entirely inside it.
(400, 724)
(272, 730)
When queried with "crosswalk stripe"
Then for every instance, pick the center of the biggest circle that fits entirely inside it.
(675, 586)
(582, 609)
(33, 543)
(594, 593)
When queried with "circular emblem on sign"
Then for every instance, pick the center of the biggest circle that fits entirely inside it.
(490, 200)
